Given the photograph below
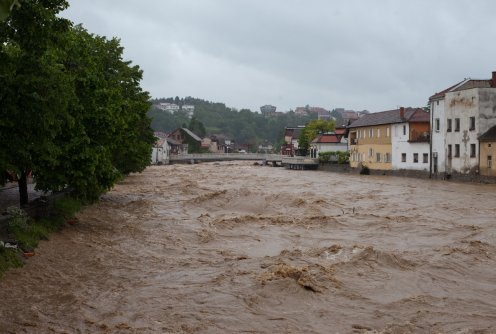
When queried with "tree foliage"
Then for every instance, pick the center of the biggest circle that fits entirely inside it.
(72, 111)
(310, 131)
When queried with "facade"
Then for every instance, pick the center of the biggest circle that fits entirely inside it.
(329, 142)
(460, 115)
(410, 142)
(160, 152)
(372, 137)
(291, 135)
(487, 145)
(190, 142)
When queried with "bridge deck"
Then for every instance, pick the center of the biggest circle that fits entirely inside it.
(288, 162)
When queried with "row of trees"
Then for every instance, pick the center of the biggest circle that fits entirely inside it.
(72, 111)
(244, 126)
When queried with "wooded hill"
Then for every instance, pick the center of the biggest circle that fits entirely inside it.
(244, 126)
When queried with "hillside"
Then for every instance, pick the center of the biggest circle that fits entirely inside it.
(244, 126)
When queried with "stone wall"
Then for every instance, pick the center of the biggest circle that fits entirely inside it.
(457, 177)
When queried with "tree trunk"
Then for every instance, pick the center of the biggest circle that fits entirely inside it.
(23, 188)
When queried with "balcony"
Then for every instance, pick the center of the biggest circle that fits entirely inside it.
(354, 141)
(419, 137)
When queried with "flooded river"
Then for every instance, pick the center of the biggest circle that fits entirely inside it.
(233, 247)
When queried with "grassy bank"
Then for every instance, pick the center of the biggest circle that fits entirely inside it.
(24, 233)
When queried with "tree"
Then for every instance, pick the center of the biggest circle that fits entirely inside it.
(197, 127)
(6, 7)
(72, 110)
(109, 134)
(310, 131)
(35, 89)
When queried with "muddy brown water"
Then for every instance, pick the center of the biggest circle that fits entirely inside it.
(233, 247)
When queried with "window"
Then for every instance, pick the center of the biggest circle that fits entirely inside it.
(425, 158)
(404, 130)
(387, 132)
(378, 157)
(415, 157)
(488, 145)
(457, 150)
(472, 123)
(449, 125)
(387, 157)
(403, 157)
(378, 133)
(472, 150)
(436, 124)
(437, 102)
(457, 124)
(371, 152)
(371, 133)
(449, 151)
(489, 161)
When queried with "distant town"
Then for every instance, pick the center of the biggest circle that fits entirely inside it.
(454, 136)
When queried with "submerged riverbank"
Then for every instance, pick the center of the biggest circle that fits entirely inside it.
(232, 247)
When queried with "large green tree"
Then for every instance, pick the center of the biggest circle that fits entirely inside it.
(109, 134)
(35, 89)
(72, 110)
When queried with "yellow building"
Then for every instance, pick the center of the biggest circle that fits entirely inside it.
(487, 147)
(370, 145)
(373, 136)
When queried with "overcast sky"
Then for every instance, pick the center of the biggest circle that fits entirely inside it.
(355, 54)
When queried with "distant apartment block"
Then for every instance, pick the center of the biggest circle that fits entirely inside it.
(170, 107)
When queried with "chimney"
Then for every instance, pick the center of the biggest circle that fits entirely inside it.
(493, 80)
(402, 113)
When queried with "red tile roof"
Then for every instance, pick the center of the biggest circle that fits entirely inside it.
(327, 138)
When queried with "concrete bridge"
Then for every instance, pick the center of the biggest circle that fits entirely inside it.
(274, 159)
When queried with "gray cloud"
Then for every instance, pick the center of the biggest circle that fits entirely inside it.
(356, 54)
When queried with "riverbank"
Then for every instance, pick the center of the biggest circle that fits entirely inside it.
(21, 229)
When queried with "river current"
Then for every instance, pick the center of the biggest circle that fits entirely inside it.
(235, 247)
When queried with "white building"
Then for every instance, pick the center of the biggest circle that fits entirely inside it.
(410, 141)
(460, 115)
(331, 142)
(160, 152)
(170, 107)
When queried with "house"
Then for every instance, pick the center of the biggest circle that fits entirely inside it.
(461, 116)
(291, 135)
(410, 141)
(160, 152)
(330, 142)
(487, 146)
(190, 142)
(372, 136)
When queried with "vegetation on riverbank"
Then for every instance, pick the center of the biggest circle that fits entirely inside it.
(26, 232)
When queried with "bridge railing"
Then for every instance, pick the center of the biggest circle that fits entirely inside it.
(226, 156)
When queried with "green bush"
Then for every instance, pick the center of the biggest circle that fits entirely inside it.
(340, 157)
(67, 206)
(28, 232)
(8, 259)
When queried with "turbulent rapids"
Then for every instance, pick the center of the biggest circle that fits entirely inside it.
(233, 247)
